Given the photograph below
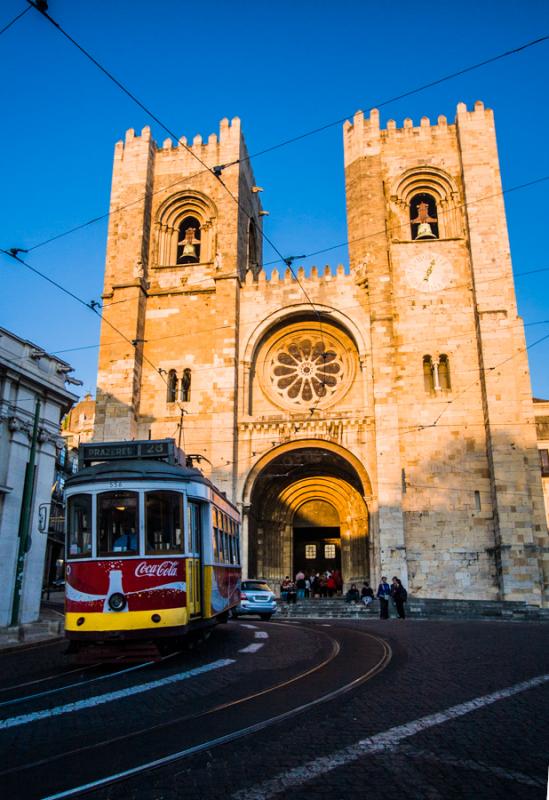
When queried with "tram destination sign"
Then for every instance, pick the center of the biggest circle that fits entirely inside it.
(159, 449)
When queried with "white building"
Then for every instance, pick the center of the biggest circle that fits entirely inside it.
(27, 374)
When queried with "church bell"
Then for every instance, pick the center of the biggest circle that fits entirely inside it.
(424, 231)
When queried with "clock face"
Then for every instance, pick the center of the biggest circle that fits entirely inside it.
(428, 272)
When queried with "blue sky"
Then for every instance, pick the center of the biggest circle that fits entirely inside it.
(282, 68)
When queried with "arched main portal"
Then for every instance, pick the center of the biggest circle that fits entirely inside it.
(307, 495)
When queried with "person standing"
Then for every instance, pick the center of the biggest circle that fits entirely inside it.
(399, 595)
(300, 584)
(383, 595)
(284, 588)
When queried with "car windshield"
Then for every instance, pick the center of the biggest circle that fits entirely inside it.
(256, 586)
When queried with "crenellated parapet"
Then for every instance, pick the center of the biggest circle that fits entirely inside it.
(364, 135)
(214, 151)
(295, 278)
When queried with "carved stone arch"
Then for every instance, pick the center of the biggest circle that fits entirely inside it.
(170, 214)
(302, 311)
(427, 180)
(287, 478)
(296, 358)
(274, 453)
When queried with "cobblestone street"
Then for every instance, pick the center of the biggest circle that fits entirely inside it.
(409, 729)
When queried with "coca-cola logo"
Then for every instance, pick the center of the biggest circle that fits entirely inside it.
(160, 569)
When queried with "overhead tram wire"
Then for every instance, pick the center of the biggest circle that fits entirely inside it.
(381, 232)
(41, 7)
(216, 171)
(394, 99)
(287, 141)
(92, 305)
(14, 20)
(223, 327)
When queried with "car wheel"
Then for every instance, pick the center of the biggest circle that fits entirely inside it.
(265, 616)
(234, 613)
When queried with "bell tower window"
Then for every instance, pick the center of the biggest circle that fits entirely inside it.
(171, 393)
(186, 385)
(188, 244)
(423, 217)
(444, 373)
(253, 251)
(428, 377)
(185, 231)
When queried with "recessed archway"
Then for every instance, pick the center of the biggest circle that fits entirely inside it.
(312, 482)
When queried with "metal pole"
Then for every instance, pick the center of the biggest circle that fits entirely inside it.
(25, 519)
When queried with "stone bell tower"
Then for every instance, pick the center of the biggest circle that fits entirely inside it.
(460, 498)
(180, 242)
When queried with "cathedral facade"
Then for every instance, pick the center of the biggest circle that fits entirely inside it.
(377, 419)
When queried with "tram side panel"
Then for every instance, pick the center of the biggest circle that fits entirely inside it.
(221, 553)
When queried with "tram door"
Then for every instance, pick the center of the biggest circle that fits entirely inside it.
(194, 588)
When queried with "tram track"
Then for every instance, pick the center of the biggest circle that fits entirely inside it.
(78, 684)
(257, 708)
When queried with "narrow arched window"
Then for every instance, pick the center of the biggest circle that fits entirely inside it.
(444, 373)
(188, 243)
(186, 385)
(428, 377)
(171, 394)
(253, 251)
(423, 216)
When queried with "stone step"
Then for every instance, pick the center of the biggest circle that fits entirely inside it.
(420, 608)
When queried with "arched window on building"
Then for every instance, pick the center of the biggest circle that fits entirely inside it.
(423, 216)
(188, 243)
(186, 385)
(171, 394)
(253, 250)
(444, 373)
(185, 231)
(428, 377)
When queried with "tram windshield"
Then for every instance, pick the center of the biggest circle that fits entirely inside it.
(79, 524)
(164, 521)
(117, 523)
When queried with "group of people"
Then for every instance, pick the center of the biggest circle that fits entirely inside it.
(306, 585)
(385, 592)
(331, 583)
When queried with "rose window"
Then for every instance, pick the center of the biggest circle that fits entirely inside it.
(305, 370)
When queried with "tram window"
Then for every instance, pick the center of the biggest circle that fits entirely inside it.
(193, 520)
(220, 548)
(117, 523)
(79, 518)
(164, 521)
(215, 545)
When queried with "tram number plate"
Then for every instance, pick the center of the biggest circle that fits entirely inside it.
(115, 484)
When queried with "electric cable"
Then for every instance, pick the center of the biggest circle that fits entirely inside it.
(215, 171)
(92, 305)
(14, 20)
(285, 142)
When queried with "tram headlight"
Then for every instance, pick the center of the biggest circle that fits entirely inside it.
(117, 602)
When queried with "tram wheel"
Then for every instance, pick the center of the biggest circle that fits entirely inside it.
(222, 618)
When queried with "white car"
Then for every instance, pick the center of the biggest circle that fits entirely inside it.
(256, 597)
